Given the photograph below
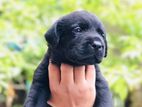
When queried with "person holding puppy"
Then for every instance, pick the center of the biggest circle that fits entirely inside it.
(77, 39)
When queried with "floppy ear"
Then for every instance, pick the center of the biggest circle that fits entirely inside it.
(106, 47)
(101, 30)
(105, 39)
(52, 36)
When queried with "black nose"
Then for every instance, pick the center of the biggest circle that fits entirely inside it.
(97, 45)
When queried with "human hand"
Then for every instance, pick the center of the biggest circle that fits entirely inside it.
(72, 86)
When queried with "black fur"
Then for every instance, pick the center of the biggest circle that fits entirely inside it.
(77, 39)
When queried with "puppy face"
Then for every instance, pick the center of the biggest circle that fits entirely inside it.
(78, 39)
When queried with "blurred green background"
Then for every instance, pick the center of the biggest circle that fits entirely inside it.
(23, 24)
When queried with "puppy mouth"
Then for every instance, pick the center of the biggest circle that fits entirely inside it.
(87, 59)
(96, 58)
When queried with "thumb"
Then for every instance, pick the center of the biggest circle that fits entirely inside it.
(50, 103)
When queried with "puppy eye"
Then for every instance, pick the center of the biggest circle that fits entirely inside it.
(100, 32)
(77, 29)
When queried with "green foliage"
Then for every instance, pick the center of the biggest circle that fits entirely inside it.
(24, 22)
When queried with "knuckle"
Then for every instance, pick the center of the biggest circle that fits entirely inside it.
(54, 89)
(68, 89)
(91, 88)
(82, 90)
(86, 89)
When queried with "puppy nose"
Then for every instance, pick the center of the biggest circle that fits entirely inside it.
(97, 45)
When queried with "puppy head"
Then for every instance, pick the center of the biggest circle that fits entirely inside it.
(79, 37)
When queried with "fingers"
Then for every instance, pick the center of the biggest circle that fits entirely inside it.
(54, 74)
(67, 74)
(79, 74)
(90, 73)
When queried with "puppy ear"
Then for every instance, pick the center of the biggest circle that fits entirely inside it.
(106, 47)
(52, 36)
(101, 30)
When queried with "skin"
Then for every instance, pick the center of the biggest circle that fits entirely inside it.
(72, 86)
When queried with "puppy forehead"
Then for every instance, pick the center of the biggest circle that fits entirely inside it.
(80, 17)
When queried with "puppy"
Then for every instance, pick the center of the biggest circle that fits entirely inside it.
(77, 39)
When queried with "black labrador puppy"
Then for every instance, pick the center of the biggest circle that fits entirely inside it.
(76, 39)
